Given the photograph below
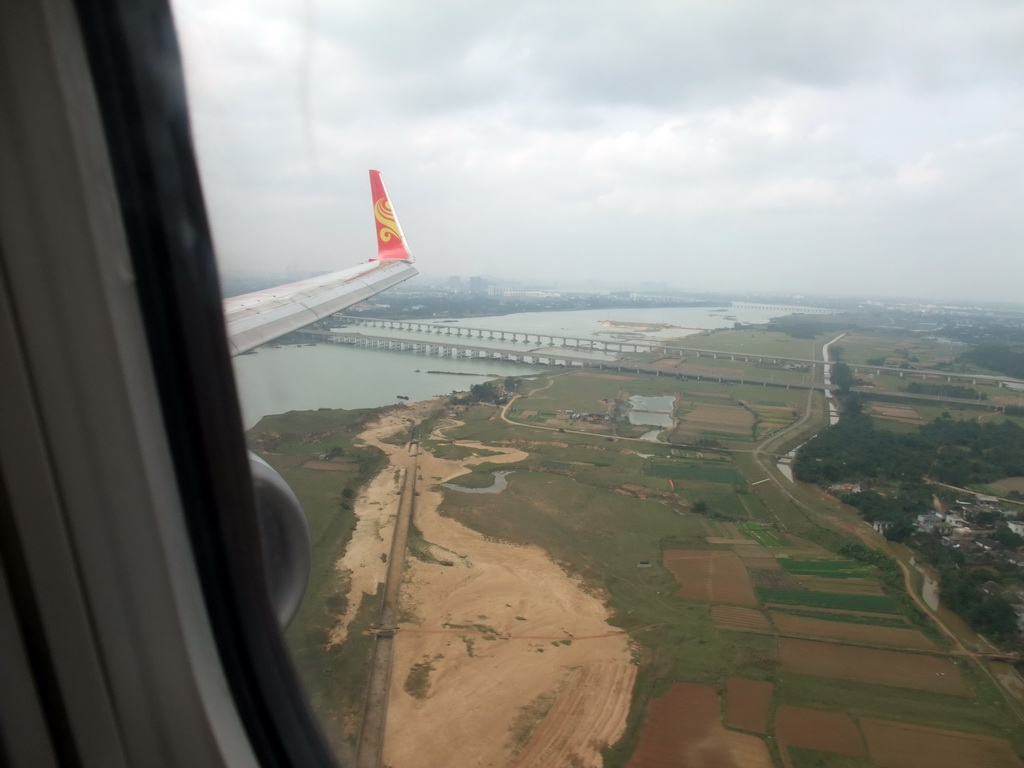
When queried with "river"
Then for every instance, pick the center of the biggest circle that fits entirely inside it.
(276, 380)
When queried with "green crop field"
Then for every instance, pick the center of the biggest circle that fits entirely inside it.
(849, 618)
(754, 507)
(760, 534)
(831, 568)
(846, 602)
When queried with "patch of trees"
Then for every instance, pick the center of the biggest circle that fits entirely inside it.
(842, 377)
(991, 615)
(996, 357)
(981, 332)
(947, 450)
(944, 390)
(911, 499)
(485, 392)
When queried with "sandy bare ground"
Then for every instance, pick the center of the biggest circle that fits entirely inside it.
(524, 668)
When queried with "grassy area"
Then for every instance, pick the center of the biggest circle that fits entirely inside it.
(814, 758)
(1006, 485)
(704, 472)
(479, 478)
(757, 342)
(721, 500)
(452, 452)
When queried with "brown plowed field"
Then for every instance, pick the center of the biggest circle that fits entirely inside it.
(871, 665)
(684, 729)
(733, 617)
(813, 729)
(747, 703)
(715, 576)
(844, 630)
(897, 745)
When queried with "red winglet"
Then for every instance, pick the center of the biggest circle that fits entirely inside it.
(391, 245)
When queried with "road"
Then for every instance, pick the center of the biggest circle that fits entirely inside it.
(375, 706)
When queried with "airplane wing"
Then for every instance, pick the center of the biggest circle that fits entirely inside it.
(263, 316)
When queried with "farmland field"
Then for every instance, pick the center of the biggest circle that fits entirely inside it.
(760, 534)
(870, 665)
(831, 568)
(897, 637)
(719, 418)
(747, 704)
(684, 728)
(844, 586)
(715, 576)
(848, 602)
(734, 617)
(813, 729)
(896, 745)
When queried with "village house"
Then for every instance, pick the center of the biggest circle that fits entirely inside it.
(930, 522)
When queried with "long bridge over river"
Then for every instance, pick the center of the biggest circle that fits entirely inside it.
(413, 333)
(459, 350)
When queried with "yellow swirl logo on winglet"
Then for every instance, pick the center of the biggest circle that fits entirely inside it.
(386, 218)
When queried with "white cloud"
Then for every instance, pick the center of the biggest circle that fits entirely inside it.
(732, 144)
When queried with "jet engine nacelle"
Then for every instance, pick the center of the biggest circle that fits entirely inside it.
(284, 539)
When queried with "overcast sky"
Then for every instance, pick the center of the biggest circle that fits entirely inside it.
(806, 146)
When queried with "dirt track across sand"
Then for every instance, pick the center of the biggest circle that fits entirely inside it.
(523, 667)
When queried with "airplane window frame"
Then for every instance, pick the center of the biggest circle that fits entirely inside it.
(136, 67)
(173, 417)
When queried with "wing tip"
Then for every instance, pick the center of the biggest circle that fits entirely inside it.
(391, 242)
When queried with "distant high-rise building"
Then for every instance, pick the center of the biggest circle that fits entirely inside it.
(455, 284)
(478, 285)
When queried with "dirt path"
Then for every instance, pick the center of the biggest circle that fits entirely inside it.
(510, 660)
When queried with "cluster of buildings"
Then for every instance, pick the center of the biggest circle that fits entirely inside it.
(969, 528)
(592, 418)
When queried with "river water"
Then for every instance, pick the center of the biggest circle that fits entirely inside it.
(276, 380)
(499, 484)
